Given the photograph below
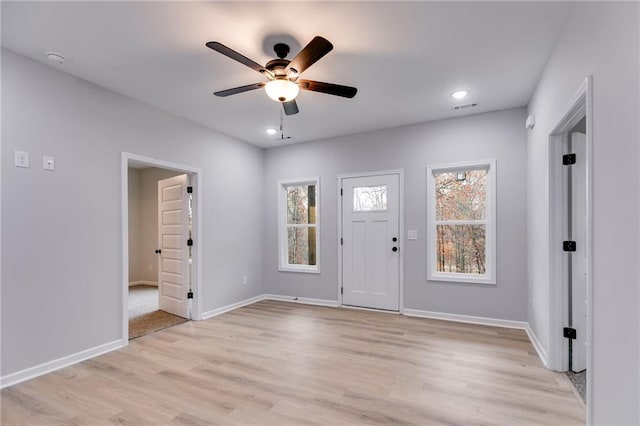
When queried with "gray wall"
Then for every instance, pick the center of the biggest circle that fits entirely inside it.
(135, 265)
(600, 39)
(61, 279)
(499, 135)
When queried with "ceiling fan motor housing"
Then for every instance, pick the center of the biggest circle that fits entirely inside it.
(277, 66)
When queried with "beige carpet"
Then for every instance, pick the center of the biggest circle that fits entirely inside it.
(144, 315)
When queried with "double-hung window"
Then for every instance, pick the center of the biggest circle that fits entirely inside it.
(298, 231)
(461, 222)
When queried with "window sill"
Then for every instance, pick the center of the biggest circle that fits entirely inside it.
(307, 270)
(462, 278)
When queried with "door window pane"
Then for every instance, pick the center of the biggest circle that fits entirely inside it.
(461, 195)
(369, 198)
(461, 248)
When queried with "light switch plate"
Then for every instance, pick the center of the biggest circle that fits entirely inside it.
(21, 159)
(412, 234)
(48, 162)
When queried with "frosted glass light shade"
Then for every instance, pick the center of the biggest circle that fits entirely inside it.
(281, 90)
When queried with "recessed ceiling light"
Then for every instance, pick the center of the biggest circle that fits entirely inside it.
(56, 58)
(271, 131)
(459, 94)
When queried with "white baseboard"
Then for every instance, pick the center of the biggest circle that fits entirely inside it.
(214, 312)
(542, 354)
(56, 364)
(466, 318)
(303, 300)
(153, 283)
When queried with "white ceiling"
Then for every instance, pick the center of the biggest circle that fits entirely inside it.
(405, 58)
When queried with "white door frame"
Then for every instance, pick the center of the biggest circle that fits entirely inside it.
(401, 238)
(196, 183)
(580, 106)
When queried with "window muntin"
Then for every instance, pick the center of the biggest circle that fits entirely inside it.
(298, 233)
(370, 198)
(461, 222)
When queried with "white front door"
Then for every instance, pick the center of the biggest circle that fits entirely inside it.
(371, 241)
(173, 232)
(579, 257)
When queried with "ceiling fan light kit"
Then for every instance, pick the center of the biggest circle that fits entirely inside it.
(281, 90)
(283, 85)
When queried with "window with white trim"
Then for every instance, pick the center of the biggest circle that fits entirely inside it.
(461, 222)
(298, 230)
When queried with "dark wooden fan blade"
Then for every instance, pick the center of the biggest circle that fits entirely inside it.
(221, 48)
(236, 90)
(316, 49)
(290, 107)
(329, 88)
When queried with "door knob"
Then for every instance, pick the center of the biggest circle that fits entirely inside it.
(395, 249)
(158, 251)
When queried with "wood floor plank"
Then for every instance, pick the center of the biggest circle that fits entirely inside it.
(277, 363)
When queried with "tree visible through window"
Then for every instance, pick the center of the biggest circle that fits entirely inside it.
(461, 219)
(298, 237)
(301, 212)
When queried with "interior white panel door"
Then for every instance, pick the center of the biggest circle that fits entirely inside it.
(173, 232)
(370, 255)
(578, 258)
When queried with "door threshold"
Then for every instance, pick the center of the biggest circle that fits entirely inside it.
(362, 308)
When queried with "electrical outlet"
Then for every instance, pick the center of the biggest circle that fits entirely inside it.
(244, 280)
(21, 159)
(48, 162)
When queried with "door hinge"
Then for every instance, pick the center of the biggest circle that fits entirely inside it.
(341, 290)
(568, 159)
(189, 242)
(340, 191)
(569, 246)
(189, 189)
(341, 241)
(569, 333)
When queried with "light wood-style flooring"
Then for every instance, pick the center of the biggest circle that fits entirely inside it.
(278, 363)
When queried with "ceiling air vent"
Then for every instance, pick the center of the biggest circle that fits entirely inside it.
(465, 106)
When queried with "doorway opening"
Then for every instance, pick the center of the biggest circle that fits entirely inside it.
(570, 239)
(370, 239)
(161, 250)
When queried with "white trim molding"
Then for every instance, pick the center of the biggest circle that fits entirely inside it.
(542, 354)
(489, 277)
(219, 311)
(56, 364)
(283, 225)
(496, 322)
(196, 181)
(134, 283)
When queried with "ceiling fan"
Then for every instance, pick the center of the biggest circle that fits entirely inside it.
(283, 83)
